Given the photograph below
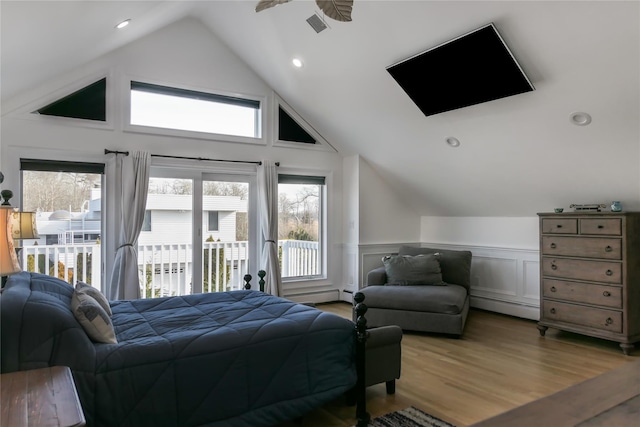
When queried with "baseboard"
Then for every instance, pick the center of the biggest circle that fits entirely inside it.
(346, 295)
(316, 297)
(510, 308)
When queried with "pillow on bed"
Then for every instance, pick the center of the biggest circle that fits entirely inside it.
(83, 288)
(413, 270)
(94, 320)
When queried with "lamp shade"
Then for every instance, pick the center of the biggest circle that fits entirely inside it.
(24, 225)
(8, 259)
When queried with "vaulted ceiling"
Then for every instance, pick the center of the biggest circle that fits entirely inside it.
(518, 155)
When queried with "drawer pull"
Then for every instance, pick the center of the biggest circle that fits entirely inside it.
(606, 293)
(553, 289)
(552, 311)
(609, 321)
(552, 246)
(600, 226)
(608, 249)
(609, 273)
(559, 225)
(554, 267)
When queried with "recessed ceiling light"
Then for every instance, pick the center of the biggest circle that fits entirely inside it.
(453, 142)
(297, 62)
(123, 24)
(580, 118)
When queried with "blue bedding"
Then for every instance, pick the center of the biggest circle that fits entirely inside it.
(241, 358)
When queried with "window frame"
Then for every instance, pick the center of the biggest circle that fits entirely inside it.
(26, 112)
(321, 144)
(261, 116)
(323, 224)
(75, 164)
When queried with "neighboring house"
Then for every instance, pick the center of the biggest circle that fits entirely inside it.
(167, 220)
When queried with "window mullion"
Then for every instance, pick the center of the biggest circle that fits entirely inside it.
(197, 252)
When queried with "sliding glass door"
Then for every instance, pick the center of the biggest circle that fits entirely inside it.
(225, 225)
(198, 232)
(165, 247)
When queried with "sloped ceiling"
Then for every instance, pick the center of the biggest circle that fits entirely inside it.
(518, 156)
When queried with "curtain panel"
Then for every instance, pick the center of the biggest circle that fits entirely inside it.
(132, 183)
(268, 210)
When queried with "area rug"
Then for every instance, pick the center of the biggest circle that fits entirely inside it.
(409, 417)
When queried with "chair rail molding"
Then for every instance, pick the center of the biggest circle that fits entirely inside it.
(503, 280)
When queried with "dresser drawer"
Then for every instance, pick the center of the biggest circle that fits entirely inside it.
(606, 296)
(595, 271)
(608, 320)
(559, 226)
(601, 226)
(587, 247)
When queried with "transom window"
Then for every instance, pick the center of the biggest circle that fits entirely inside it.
(182, 109)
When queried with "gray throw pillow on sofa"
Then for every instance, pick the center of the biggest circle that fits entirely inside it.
(407, 270)
(455, 265)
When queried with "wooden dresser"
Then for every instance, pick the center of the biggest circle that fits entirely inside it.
(590, 275)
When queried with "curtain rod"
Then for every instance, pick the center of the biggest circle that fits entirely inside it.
(126, 153)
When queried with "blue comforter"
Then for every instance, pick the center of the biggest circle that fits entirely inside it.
(241, 358)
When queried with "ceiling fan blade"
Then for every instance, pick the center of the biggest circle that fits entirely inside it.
(266, 4)
(340, 10)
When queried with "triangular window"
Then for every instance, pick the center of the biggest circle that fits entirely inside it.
(88, 103)
(290, 130)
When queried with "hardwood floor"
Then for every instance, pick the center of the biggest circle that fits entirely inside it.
(500, 363)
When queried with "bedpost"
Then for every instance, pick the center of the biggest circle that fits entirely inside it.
(361, 339)
(261, 274)
(247, 279)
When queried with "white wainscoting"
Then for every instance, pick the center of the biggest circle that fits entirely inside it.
(503, 280)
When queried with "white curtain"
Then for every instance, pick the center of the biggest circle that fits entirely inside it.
(268, 208)
(132, 183)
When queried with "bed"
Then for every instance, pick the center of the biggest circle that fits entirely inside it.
(241, 358)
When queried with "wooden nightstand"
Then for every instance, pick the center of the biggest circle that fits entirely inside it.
(40, 397)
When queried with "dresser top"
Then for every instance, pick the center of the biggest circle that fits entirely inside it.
(589, 213)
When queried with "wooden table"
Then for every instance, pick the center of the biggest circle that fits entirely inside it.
(40, 397)
(610, 399)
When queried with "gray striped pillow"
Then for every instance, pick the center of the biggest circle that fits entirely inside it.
(83, 288)
(94, 320)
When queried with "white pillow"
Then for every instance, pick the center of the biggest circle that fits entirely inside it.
(82, 287)
(94, 320)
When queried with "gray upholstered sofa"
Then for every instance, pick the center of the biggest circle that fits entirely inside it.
(425, 308)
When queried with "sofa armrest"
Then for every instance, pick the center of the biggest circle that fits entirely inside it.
(383, 336)
(376, 277)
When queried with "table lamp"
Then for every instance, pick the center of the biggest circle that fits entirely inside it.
(24, 225)
(8, 259)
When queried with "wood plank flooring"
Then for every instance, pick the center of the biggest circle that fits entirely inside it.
(500, 363)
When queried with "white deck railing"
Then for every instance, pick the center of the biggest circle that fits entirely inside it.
(166, 269)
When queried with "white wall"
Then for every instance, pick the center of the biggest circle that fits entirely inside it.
(384, 216)
(500, 232)
(185, 54)
(374, 217)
